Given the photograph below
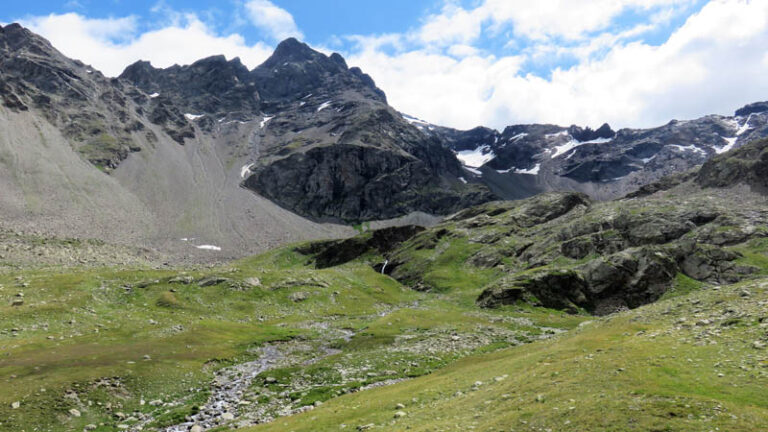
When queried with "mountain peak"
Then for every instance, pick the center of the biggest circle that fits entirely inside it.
(752, 108)
(587, 134)
(292, 51)
(15, 37)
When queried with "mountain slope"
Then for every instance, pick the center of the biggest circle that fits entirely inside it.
(687, 364)
(327, 146)
(159, 158)
(245, 160)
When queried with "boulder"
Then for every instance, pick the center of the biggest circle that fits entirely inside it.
(212, 280)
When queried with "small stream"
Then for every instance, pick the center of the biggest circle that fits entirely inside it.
(227, 391)
(231, 383)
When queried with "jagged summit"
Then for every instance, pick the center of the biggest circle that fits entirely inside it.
(587, 134)
(292, 51)
(292, 72)
(14, 36)
(295, 70)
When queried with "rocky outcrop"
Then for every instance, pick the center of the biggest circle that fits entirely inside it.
(753, 108)
(587, 134)
(354, 183)
(563, 289)
(336, 252)
(564, 251)
(747, 165)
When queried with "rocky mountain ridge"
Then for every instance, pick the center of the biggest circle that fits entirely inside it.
(523, 160)
(327, 145)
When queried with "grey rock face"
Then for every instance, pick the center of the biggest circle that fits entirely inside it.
(89, 109)
(748, 164)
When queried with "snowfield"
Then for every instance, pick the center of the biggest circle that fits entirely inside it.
(477, 157)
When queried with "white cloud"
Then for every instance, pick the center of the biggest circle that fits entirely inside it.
(715, 62)
(538, 20)
(112, 44)
(276, 22)
(454, 25)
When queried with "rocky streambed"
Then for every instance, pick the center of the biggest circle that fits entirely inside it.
(231, 385)
(227, 392)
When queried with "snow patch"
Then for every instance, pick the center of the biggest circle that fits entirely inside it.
(646, 160)
(193, 117)
(573, 143)
(731, 142)
(532, 171)
(565, 148)
(414, 120)
(473, 171)
(265, 121)
(154, 95)
(557, 134)
(477, 157)
(463, 180)
(323, 106)
(691, 148)
(245, 170)
(209, 247)
(744, 127)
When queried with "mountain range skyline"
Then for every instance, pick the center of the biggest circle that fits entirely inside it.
(451, 63)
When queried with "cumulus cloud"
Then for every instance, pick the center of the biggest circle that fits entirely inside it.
(276, 22)
(714, 62)
(537, 20)
(111, 44)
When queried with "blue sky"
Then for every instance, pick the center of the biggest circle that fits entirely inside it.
(459, 63)
(320, 21)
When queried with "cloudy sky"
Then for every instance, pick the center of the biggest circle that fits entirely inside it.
(460, 63)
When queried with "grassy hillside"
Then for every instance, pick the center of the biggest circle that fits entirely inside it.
(120, 349)
(692, 363)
